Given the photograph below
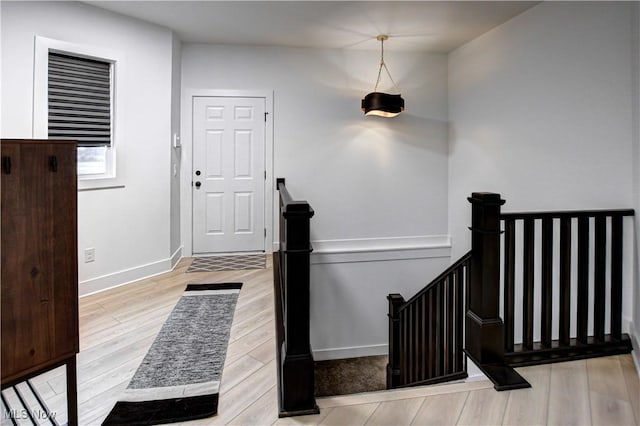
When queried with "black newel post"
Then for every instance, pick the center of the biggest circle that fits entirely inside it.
(484, 327)
(484, 334)
(393, 367)
(297, 361)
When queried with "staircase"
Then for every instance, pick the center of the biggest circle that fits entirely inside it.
(547, 288)
(426, 332)
(520, 309)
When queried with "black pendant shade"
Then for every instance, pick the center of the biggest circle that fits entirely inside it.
(382, 104)
(379, 103)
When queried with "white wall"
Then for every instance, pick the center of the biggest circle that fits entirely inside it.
(349, 289)
(128, 227)
(636, 177)
(355, 171)
(176, 153)
(368, 179)
(541, 112)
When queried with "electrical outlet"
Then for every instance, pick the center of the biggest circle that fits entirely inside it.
(89, 255)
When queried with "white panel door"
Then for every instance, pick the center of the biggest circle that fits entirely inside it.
(228, 174)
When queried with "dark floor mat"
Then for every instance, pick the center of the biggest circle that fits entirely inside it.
(351, 375)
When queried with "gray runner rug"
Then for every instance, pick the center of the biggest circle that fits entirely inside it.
(179, 377)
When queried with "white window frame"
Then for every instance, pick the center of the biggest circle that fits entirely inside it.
(43, 45)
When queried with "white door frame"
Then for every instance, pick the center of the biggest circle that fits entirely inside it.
(186, 159)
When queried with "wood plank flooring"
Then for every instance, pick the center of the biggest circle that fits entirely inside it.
(118, 326)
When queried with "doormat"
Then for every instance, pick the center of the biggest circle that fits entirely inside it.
(227, 263)
(179, 378)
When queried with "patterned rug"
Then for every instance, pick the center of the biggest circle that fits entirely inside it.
(179, 378)
(227, 263)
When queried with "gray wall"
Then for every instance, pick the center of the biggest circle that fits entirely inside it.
(378, 186)
(127, 226)
(540, 110)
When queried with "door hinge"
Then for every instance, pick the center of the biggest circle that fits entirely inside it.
(265, 116)
(265, 175)
(265, 232)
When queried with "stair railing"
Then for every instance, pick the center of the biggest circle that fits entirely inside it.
(598, 278)
(488, 339)
(426, 332)
(291, 270)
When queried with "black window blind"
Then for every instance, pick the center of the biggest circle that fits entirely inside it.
(79, 98)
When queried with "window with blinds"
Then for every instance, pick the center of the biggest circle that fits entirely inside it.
(79, 100)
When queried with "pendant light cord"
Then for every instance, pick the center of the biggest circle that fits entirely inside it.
(382, 64)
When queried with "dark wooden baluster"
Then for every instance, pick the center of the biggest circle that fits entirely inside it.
(565, 281)
(395, 348)
(583, 278)
(448, 364)
(417, 359)
(419, 339)
(407, 346)
(410, 341)
(403, 344)
(459, 317)
(426, 343)
(439, 328)
(616, 277)
(509, 282)
(415, 347)
(600, 267)
(547, 281)
(433, 346)
(427, 336)
(425, 330)
(528, 282)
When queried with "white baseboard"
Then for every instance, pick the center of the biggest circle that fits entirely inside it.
(635, 342)
(350, 352)
(175, 258)
(128, 276)
(474, 374)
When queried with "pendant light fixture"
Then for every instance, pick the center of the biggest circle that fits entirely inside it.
(378, 103)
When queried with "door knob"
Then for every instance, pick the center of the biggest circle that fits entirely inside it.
(198, 185)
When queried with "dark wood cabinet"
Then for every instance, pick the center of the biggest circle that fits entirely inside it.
(39, 287)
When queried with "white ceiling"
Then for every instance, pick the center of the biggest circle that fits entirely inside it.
(437, 26)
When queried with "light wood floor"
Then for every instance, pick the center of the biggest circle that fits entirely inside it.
(118, 326)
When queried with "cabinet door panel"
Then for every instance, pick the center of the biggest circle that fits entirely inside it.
(39, 256)
(26, 267)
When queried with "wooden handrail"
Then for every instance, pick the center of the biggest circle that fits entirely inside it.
(560, 214)
(289, 205)
(437, 279)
